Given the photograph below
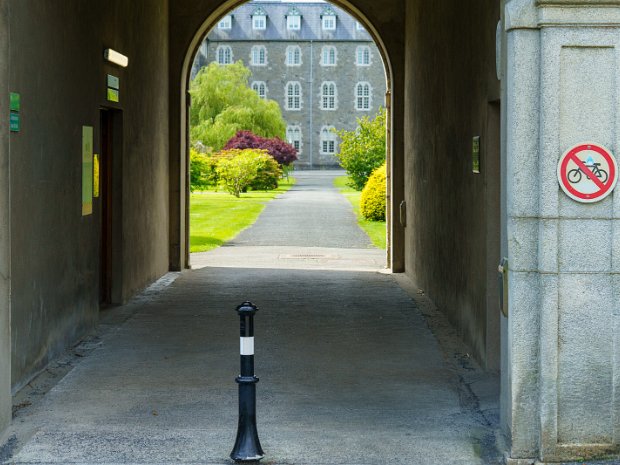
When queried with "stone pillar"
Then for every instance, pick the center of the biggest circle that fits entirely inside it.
(5, 328)
(563, 382)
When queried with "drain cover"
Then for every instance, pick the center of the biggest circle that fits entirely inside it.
(308, 256)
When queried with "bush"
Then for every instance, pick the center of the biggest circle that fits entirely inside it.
(283, 152)
(267, 177)
(238, 169)
(372, 200)
(200, 170)
(363, 150)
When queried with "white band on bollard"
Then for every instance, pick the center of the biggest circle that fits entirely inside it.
(247, 345)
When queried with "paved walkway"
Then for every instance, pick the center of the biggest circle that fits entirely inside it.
(350, 371)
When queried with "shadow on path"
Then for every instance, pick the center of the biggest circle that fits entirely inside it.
(351, 372)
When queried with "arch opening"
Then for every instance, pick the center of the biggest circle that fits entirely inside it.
(182, 242)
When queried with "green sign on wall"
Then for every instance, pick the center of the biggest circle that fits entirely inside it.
(15, 101)
(14, 122)
(113, 95)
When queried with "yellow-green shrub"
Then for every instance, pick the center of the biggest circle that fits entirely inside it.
(237, 169)
(372, 200)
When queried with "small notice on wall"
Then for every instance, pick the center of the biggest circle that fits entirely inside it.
(87, 170)
(96, 176)
(114, 85)
(475, 155)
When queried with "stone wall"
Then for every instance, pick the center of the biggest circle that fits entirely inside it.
(57, 65)
(561, 89)
(5, 272)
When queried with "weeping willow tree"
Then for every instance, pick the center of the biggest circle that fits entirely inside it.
(223, 103)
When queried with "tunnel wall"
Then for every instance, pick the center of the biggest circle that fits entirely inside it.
(5, 330)
(57, 65)
(452, 233)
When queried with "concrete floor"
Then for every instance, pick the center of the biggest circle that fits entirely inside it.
(353, 369)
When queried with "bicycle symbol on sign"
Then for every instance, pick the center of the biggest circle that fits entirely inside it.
(575, 175)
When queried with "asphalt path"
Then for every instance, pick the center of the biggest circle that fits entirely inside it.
(311, 214)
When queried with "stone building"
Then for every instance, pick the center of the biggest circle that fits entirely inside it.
(314, 59)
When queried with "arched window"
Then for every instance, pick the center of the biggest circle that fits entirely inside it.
(362, 55)
(260, 87)
(363, 96)
(223, 55)
(258, 56)
(293, 96)
(328, 140)
(328, 96)
(329, 56)
(293, 136)
(293, 55)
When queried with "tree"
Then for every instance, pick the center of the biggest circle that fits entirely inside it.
(223, 104)
(363, 150)
(283, 152)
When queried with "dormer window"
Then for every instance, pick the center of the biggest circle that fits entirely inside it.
(293, 20)
(328, 19)
(259, 20)
(225, 23)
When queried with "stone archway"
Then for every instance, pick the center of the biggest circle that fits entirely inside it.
(181, 61)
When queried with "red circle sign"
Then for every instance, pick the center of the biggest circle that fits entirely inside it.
(587, 172)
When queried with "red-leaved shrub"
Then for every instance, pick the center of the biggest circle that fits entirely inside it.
(283, 152)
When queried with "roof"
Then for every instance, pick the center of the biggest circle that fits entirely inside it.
(241, 30)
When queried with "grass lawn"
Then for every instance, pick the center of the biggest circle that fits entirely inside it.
(217, 217)
(374, 229)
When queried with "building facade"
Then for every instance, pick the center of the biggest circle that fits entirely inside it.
(314, 59)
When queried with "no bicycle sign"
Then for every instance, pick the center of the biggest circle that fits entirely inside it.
(587, 172)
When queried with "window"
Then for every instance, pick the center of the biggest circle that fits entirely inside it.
(259, 19)
(328, 96)
(362, 56)
(258, 56)
(293, 96)
(293, 136)
(293, 55)
(328, 56)
(329, 23)
(328, 140)
(225, 22)
(328, 19)
(293, 20)
(362, 96)
(223, 54)
(260, 88)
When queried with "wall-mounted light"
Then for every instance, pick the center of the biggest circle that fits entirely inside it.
(115, 57)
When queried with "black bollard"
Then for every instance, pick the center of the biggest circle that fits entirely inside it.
(247, 446)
